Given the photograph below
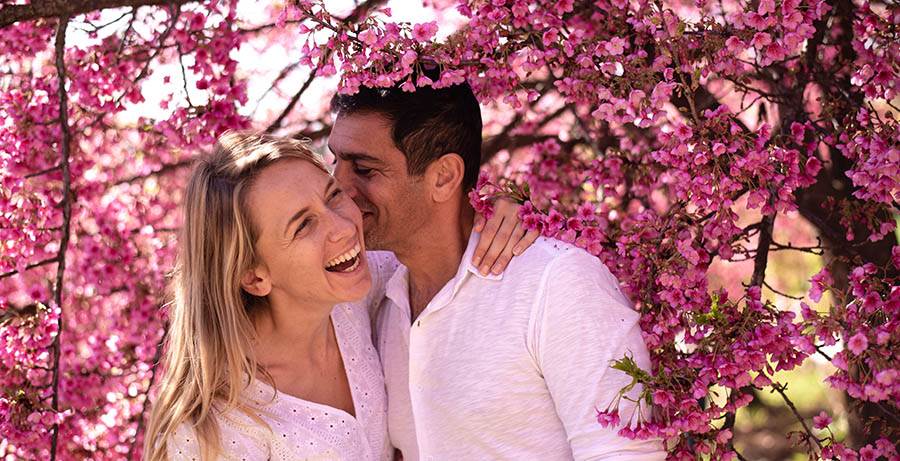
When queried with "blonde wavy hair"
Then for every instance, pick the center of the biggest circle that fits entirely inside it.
(208, 357)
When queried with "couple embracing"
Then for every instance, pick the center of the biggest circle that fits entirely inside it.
(292, 337)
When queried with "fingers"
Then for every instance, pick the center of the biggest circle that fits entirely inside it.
(526, 241)
(506, 207)
(507, 253)
(487, 237)
(500, 241)
(479, 222)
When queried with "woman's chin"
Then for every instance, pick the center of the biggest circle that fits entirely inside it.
(353, 284)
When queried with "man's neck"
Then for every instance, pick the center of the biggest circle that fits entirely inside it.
(433, 258)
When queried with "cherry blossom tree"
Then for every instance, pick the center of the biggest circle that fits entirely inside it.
(680, 142)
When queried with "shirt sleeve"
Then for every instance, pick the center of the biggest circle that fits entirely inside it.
(235, 444)
(584, 322)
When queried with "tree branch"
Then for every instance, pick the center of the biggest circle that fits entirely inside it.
(816, 250)
(781, 293)
(296, 98)
(42, 172)
(176, 12)
(780, 389)
(43, 9)
(281, 76)
(184, 80)
(362, 10)
(65, 144)
(761, 260)
(31, 266)
(358, 14)
(166, 168)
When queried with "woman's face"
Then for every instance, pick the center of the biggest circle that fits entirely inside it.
(309, 245)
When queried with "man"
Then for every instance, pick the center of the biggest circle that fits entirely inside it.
(478, 364)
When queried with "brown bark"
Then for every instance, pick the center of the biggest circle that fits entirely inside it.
(11, 14)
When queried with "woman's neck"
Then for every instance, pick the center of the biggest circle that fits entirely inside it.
(294, 333)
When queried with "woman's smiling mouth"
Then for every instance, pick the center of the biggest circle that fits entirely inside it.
(345, 262)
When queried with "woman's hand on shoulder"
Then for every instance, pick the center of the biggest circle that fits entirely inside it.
(502, 237)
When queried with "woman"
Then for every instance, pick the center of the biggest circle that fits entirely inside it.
(260, 272)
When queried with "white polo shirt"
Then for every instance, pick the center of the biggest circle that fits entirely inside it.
(512, 366)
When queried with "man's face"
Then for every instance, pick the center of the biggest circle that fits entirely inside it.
(373, 171)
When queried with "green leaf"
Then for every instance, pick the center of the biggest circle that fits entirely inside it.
(627, 365)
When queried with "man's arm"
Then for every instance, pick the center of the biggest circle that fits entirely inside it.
(584, 322)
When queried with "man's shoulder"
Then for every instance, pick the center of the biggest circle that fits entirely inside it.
(554, 266)
(549, 253)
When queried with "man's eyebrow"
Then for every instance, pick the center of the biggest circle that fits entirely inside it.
(299, 214)
(355, 156)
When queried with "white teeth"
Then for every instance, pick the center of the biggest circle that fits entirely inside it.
(344, 257)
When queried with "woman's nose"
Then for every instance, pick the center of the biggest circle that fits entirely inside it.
(342, 228)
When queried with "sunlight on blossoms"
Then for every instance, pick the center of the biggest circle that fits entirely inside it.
(735, 165)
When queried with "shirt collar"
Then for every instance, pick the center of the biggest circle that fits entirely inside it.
(397, 287)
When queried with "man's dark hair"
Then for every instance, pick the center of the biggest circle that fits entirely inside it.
(427, 123)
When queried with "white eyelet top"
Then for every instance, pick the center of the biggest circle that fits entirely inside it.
(304, 430)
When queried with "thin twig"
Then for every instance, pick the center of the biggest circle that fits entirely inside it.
(822, 353)
(296, 98)
(65, 142)
(263, 27)
(96, 28)
(166, 168)
(42, 172)
(281, 76)
(30, 266)
(816, 250)
(780, 389)
(162, 41)
(781, 293)
(187, 94)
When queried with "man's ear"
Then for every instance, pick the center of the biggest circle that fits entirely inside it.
(256, 281)
(445, 177)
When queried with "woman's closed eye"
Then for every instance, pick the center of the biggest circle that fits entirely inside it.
(303, 225)
(334, 195)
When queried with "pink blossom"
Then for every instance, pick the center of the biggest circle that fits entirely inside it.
(608, 418)
(821, 421)
(858, 343)
(424, 32)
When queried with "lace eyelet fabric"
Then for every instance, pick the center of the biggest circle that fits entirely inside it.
(305, 430)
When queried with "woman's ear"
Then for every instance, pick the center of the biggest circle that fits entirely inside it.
(445, 176)
(256, 281)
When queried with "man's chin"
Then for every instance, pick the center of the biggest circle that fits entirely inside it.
(373, 241)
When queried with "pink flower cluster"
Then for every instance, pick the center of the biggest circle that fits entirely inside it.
(668, 139)
(125, 188)
(867, 320)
